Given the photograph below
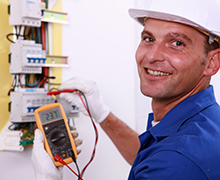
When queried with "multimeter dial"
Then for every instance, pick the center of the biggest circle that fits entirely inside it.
(58, 138)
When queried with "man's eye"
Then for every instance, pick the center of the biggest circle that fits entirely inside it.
(178, 43)
(148, 39)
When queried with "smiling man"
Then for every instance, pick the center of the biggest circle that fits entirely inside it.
(172, 64)
(175, 71)
(178, 53)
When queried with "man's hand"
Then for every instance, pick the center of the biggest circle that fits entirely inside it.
(98, 109)
(43, 165)
(42, 162)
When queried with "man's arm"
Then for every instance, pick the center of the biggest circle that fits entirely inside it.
(125, 139)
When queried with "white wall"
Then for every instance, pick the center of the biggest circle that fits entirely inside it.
(100, 43)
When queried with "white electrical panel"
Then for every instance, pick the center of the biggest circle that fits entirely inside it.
(26, 12)
(25, 101)
(27, 57)
(70, 110)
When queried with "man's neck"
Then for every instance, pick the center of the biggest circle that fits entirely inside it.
(161, 107)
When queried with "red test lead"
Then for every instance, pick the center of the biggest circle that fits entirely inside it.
(85, 104)
(59, 159)
(58, 92)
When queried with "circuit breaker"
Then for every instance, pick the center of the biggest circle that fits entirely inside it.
(30, 65)
(27, 57)
(26, 12)
(25, 101)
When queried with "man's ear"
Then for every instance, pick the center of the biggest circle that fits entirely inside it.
(213, 62)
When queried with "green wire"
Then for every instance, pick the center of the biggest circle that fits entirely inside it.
(46, 2)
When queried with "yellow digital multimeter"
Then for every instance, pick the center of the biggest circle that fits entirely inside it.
(51, 120)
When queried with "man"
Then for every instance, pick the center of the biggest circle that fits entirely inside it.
(177, 55)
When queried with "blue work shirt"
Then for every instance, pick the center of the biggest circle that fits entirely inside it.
(185, 145)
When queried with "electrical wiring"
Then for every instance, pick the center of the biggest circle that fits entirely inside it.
(13, 85)
(18, 34)
(96, 130)
(43, 36)
(19, 126)
(14, 81)
(38, 80)
(28, 132)
(32, 80)
(59, 159)
(28, 137)
(47, 37)
(77, 167)
(46, 2)
(10, 90)
(29, 82)
(14, 126)
(85, 104)
(28, 33)
(45, 77)
(38, 35)
(11, 34)
(42, 82)
(32, 33)
(20, 76)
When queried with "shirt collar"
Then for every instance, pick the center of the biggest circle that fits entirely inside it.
(172, 121)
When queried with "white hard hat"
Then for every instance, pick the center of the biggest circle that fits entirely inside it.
(201, 14)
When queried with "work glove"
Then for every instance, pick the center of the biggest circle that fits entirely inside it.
(77, 140)
(98, 110)
(42, 163)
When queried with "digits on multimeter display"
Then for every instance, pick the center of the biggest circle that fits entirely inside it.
(50, 115)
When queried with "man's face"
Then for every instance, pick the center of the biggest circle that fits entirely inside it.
(170, 59)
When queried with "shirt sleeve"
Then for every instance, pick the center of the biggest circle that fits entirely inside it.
(168, 165)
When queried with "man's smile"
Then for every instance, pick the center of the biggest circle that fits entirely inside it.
(157, 73)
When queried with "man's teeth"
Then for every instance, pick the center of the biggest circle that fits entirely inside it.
(157, 73)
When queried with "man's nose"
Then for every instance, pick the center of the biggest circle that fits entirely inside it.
(156, 53)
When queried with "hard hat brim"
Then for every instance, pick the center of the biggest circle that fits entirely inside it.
(138, 14)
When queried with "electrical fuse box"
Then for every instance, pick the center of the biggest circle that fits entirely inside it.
(26, 12)
(25, 102)
(27, 57)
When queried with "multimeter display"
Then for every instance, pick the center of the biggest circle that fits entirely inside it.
(51, 120)
(50, 115)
